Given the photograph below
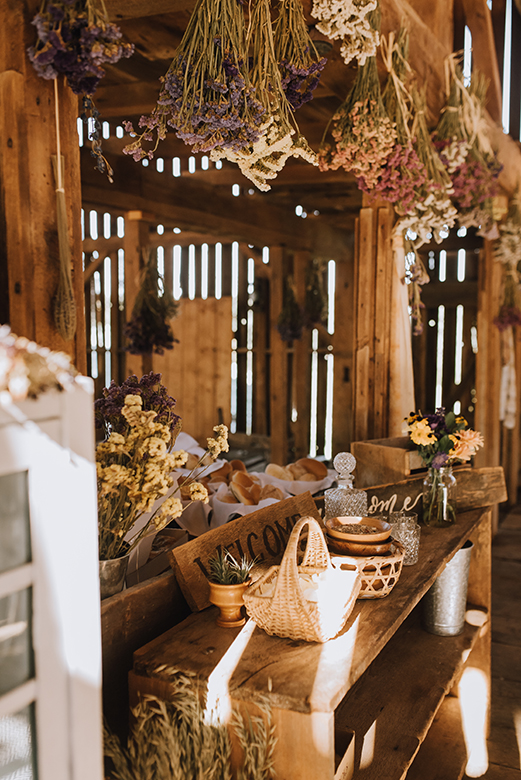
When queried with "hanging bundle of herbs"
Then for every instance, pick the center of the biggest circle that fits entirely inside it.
(450, 136)
(415, 276)
(279, 138)
(75, 38)
(149, 328)
(362, 132)
(206, 95)
(290, 323)
(507, 251)
(349, 20)
(403, 173)
(433, 213)
(315, 303)
(295, 52)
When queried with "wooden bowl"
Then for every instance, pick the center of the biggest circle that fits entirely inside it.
(334, 529)
(359, 548)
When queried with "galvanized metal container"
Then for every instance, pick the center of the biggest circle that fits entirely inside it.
(445, 602)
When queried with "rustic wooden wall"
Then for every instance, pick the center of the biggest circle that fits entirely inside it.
(29, 266)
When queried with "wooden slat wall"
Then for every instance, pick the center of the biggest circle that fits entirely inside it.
(343, 351)
(301, 372)
(372, 317)
(197, 371)
(278, 371)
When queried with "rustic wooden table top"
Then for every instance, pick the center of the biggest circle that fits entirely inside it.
(302, 676)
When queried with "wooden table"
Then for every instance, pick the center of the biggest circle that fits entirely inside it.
(383, 676)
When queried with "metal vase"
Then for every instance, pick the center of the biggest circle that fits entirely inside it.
(112, 575)
(445, 602)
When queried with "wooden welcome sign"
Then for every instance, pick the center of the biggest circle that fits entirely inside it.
(262, 535)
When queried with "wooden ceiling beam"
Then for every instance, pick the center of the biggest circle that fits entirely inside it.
(191, 205)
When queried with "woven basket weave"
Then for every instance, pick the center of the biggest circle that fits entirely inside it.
(379, 573)
(287, 612)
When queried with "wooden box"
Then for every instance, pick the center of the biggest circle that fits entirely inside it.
(384, 461)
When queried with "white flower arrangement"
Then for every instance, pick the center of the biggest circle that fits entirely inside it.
(347, 20)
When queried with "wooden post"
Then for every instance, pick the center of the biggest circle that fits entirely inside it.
(278, 363)
(135, 242)
(343, 339)
(301, 364)
(29, 263)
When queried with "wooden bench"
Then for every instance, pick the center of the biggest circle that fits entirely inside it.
(382, 677)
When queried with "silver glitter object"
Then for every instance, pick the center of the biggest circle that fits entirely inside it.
(345, 500)
(445, 602)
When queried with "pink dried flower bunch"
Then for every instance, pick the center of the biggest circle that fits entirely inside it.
(401, 176)
(364, 139)
(508, 316)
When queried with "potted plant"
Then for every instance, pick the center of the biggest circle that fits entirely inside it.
(228, 579)
(136, 489)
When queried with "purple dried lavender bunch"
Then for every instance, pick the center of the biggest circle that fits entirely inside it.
(146, 334)
(299, 83)
(107, 409)
(74, 39)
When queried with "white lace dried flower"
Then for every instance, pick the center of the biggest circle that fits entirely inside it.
(177, 459)
(198, 492)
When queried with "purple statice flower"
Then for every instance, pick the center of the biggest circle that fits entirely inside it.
(440, 460)
(68, 44)
(300, 83)
(399, 180)
(508, 316)
(155, 397)
(437, 422)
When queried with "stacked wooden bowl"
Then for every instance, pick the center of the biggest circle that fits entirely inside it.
(358, 535)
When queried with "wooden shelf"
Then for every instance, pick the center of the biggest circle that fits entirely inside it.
(396, 700)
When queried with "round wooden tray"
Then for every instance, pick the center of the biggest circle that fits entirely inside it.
(334, 524)
(346, 547)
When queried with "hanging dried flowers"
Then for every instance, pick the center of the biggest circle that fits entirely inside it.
(403, 173)
(279, 138)
(415, 276)
(299, 62)
(315, 303)
(290, 323)
(350, 21)
(75, 38)
(363, 134)
(206, 95)
(149, 329)
(433, 213)
(507, 251)
(462, 141)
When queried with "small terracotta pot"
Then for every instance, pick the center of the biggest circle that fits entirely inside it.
(230, 601)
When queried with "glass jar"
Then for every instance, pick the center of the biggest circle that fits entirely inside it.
(345, 500)
(439, 497)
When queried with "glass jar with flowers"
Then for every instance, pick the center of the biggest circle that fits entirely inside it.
(136, 490)
(442, 440)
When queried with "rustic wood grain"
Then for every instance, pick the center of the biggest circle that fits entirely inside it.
(305, 676)
(278, 366)
(442, 755)
(262, 535)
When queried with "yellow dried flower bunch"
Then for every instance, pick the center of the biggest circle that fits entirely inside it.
(134, 471)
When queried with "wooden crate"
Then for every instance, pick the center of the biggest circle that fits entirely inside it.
(384, 461)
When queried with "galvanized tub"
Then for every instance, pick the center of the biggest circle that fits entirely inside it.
(445, 602)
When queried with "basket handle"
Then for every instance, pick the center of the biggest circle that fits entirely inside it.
(316, 554)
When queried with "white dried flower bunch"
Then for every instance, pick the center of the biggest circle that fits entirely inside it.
(431, 217)
(508, 247)
(264, 159)
(347, 20)
(134, 471)
(27, 370)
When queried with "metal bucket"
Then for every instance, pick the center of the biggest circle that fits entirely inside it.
(112, 576)
(445, 602)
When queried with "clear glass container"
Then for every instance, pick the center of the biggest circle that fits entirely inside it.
(439, 497)
(407, 531)
(345, 500)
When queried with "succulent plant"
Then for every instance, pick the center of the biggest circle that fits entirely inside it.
(226, 570)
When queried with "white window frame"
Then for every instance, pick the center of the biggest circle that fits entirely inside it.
(52, 438)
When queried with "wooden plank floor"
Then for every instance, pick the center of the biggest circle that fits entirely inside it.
(504, 744)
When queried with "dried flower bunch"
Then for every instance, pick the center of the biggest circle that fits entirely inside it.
(433, 213)
(75, 38)
(291, 319)
(442, 438)
(462, 141)
(149, 329)
(27, 370)
(349, 20)
(403, 173)
(507, 251)
(206, 94)
(295, 52)
(134, 464)
(182, 739)
(315, 302)
(416, 276)
(279, 138)
(362, 132)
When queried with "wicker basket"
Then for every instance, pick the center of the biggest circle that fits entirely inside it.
(379, 573)
(287, 612)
